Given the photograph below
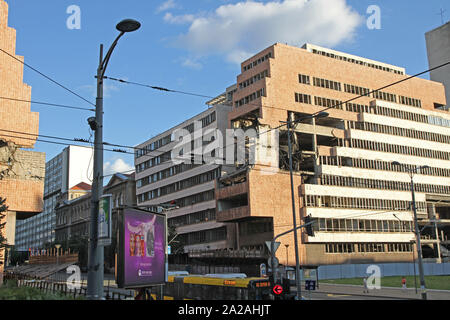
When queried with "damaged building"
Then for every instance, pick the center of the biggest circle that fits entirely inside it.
(21, 171)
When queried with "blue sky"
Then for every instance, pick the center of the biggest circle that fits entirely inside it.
(190, 46)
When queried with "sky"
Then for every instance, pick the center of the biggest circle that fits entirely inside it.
(191, 46)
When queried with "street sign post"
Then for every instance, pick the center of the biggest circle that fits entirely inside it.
(277, 289)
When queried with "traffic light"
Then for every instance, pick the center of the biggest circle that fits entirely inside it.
(309, 228)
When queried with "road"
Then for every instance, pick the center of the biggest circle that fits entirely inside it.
(353, 292)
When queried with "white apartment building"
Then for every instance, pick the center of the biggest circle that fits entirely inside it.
(161, 180)
(72, 166)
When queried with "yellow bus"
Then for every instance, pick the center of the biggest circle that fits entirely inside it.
(213, 287)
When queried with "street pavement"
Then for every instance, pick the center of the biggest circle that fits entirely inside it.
(353, 292)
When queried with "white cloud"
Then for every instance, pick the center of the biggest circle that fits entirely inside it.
(191, 63)
(107, 89)
(169, 4)
(181, 19)
(117, 166)
(239, 30)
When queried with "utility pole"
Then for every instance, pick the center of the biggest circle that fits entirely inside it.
(96, 252)
(289, 124)
(416, 226)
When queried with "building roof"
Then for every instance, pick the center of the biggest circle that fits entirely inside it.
(83, 186)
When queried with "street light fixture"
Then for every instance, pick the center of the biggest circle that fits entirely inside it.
(290, 124)
(411, 172)
(95, 252)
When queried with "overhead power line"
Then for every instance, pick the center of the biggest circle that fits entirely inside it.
(64, 144)
(159, 88)
(47, 104)
(47, 77)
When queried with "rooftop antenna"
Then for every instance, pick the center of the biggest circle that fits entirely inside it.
(441, 13)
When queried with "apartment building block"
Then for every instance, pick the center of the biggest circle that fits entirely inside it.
(344, 178)
(190, 185)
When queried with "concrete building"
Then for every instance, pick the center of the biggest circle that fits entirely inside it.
(73, 214)
(68, 169)
(438, 48)
(344, 178)
(160, 179)
(21, 171)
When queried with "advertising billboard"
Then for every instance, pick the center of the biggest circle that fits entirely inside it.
(141, 249)
(105, 220)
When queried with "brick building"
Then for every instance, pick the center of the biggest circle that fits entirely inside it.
(344, 177)
(21, 171)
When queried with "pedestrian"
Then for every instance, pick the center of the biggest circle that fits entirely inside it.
(404, 283)
(366, 289)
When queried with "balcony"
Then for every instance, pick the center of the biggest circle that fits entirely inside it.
(231, 191)
(233, 214)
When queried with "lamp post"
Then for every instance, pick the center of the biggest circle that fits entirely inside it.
(290, 124)
(95, 252)
(416, 224)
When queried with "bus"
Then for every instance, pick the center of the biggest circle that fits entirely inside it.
(213, 287)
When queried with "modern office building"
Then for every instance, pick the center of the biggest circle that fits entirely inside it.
(438, 48)
(68, 169)
(21, 171)
(344, 178)
(163, 179)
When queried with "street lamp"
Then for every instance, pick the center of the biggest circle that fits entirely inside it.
(95, 252)
(290, 124)
(416, 225)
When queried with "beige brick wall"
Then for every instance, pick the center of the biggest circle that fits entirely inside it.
(14, 116)
(21, 172)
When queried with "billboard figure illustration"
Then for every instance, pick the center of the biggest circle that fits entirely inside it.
(146, 237)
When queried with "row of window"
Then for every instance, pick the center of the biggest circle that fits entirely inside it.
(255, 227)
(154, 162)
(207, 120)
(393, 148)
(380, 95)
(319, 201)
(362, 225)
(193, 218)
(367, 247)
(353, 107)
(410, 101)
(403, 132)
(204, 236)
(256, 62)
(329, 84)
(360, 62)
(302, 98)
(153, 146)
(405, 115)
(164, 174)
(186, 201)
(183, 184)
(382, 184)
(380, 165)
(254, 79)
(329, 103)
(250, 98)
(356, 90)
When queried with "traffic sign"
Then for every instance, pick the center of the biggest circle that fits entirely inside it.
(275, 246)
(278, 289)
(276, 262)
(263, 270)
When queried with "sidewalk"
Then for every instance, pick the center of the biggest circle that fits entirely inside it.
(387, 292)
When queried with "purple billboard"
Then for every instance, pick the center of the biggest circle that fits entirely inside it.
(142, 254)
